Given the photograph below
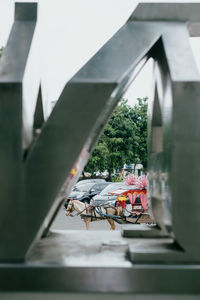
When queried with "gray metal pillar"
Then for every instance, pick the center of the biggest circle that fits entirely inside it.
(12, 68)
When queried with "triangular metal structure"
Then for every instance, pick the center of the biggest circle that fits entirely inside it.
(30, 186)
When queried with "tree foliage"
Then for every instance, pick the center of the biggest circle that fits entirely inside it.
(140, 119)
(124, 139)
(1, 51)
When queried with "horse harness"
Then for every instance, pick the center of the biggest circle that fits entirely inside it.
(72, 209)
(91, 212)
(94, 210)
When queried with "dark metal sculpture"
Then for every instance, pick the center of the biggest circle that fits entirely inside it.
(31, 178)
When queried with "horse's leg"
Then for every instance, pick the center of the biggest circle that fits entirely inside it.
(112, 224)
(87, 223)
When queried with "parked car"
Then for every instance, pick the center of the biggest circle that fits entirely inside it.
(84, 192)
(92, 180)
(106, 196)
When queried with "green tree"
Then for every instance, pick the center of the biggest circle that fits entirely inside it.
(98, 159)
(1, 51)
(120, 138)
(139, 116)
(123, 140)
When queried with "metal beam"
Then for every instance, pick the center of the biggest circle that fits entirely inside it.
(79, 115)
(178, 12)
(11, 153)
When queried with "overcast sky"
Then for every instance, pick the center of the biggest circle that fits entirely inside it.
(71, 32)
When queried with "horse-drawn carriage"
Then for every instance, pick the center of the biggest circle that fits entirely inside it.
(118, 212)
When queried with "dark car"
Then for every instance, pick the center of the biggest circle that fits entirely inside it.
(106, 196)
(84, 192)
(92, 180)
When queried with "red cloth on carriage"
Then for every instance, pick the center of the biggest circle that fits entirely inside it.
(132, 195)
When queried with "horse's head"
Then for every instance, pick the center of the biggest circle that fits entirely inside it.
(70, 208)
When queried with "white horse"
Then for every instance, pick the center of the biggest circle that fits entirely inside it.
(91, 214)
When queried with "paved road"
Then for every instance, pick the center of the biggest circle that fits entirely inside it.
(64, 222)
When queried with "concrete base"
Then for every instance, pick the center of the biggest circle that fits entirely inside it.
(81, 248)
(78, 261)
(142, 231)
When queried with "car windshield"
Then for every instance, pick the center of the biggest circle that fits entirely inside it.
(89, 181)
(116, 186)
(84, 187)
(83, 182)
(110, 188)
